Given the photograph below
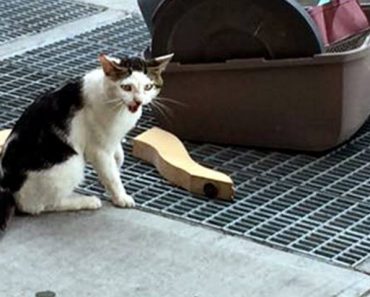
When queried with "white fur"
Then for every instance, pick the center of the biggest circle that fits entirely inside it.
(96, 134)
(50, 190)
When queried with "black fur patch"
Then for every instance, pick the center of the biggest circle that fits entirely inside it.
(148, 67)
(39, 138)
(137, 64)
(7, 208)
(134, 64)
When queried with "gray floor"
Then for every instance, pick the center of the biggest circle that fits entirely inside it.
(114, 252)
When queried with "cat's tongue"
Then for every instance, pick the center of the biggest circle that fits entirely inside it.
(133, 107)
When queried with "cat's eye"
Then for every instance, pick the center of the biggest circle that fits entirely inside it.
(127, 88)
(148, 87)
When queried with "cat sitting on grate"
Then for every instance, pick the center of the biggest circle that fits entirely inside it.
(44, 157)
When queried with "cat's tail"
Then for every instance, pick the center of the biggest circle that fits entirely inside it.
(7, 208)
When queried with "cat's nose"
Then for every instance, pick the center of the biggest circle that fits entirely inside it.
(138, 102)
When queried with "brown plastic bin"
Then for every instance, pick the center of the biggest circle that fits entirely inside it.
(309, 104)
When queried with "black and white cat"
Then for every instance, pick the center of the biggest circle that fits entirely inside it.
(44, 157)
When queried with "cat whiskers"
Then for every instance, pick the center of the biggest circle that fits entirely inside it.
(163, 106)
(113, 100)
(164, 110)
(115, 103)
(158, 99)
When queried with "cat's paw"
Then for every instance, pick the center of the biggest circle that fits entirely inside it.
(93, 202)
(124, 201)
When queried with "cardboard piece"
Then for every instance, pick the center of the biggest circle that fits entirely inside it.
(167, 153)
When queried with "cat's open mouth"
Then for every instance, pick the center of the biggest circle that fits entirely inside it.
(134, 106)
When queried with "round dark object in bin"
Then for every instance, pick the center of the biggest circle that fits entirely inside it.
(210, 190)
(201, 31)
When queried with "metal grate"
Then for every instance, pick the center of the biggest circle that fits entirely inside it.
(20, 18)
(316, 204)
(350, 43)
(71, 57)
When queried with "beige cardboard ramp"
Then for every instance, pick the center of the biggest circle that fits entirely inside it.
(167, 153)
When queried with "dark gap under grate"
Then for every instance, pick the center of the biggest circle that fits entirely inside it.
(316, 204)
(20, 18)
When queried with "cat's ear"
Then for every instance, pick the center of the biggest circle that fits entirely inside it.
(111, 66)
(159, 64)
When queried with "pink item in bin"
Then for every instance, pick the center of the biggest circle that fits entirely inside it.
(339, 19)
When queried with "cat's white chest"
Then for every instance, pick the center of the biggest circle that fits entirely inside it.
(118, 128)
(129, 120)
(91, 130)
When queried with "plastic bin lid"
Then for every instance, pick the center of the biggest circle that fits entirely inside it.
(148, 8)
(217, 30)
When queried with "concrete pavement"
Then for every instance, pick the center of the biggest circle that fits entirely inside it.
(115, 252)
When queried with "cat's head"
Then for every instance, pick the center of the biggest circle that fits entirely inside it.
(134, 80)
